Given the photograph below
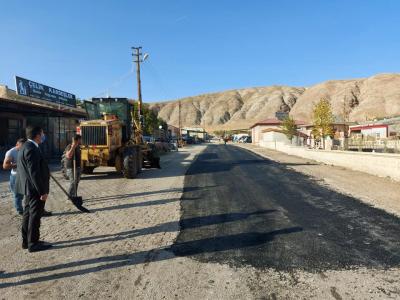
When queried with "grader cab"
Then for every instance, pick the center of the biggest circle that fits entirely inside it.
(111, 138)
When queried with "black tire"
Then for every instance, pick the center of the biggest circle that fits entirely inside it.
(155, 162)
(88, 170)
(139, 161)
(130, 163)
(129, 169)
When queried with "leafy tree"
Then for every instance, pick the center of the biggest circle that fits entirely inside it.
(162, 123)
(150, 119)
(323, 120)
(289, 128)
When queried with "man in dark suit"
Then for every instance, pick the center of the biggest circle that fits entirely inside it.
(33, 178)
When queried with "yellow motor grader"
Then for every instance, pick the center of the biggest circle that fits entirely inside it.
(113, 137)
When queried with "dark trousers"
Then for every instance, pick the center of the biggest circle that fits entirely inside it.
(33, 211)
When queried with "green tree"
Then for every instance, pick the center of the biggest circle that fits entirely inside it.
(323, 120)
(162, 123)
(150, 119)
(289, 128)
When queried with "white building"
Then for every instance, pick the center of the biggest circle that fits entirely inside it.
(269, 131)
(198, 132)
(373, 130)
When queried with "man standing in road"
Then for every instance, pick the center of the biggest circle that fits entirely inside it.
(73, 153)
(10, 163)
(33, 178)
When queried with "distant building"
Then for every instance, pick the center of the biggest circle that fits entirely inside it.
(340, 132)
(384, 128)
(269, 130)
(340, 129)
(372, 130)
(195, 132)
(173, 132)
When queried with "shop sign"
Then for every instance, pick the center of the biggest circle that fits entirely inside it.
(29, 88)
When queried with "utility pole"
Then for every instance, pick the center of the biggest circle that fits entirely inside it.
(204, 127)
(346, 113)
(345, 110)
(180, 122)
(137, 54)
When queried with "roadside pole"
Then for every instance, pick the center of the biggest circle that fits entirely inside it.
(137, 54)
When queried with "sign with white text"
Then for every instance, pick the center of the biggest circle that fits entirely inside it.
(29, 88)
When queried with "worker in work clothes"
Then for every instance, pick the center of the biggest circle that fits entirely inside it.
(10, 163)
(74, 153)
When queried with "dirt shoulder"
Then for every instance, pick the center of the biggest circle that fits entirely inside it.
(379, 192)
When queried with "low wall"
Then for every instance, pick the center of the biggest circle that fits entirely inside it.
(379, 164)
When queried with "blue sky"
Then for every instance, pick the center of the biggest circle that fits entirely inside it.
(195, 47)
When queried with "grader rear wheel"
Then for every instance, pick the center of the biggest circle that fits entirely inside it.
(129, 166)
(130, 163)
(139, 161)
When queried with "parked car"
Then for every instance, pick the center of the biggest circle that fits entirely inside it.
(189, 140)
(148, 139)
(245, 139)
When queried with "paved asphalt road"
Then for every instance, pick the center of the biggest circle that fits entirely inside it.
(241, 209)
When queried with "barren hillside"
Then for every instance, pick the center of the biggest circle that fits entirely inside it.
(376, 96)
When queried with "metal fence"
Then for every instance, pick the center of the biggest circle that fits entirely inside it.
(374, 145)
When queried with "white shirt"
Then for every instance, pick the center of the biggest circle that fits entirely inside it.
(13, 154)
(34, 142)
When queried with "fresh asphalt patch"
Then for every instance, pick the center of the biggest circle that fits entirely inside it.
(240, 209)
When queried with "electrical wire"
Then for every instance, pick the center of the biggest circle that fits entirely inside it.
(116, 83)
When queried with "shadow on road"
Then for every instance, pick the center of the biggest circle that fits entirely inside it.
(101, 175)
(121, 206)
(141, 194)
(213, 244)
(339, 231)
(92, 202)
(165, 227)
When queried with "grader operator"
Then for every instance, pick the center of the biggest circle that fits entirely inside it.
(113, 137)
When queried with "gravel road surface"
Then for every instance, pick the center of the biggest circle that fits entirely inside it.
(237, 226)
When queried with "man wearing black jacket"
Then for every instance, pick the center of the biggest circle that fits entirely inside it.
(33, 178)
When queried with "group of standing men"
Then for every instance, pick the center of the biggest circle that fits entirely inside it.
(30, 179)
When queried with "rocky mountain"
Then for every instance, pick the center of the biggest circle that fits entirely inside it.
(358, 99)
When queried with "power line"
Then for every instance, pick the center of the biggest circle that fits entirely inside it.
(116, 83)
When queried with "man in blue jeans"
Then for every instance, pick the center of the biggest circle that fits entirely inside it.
(10, 163)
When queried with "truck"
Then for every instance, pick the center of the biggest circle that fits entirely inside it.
(112, 136)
